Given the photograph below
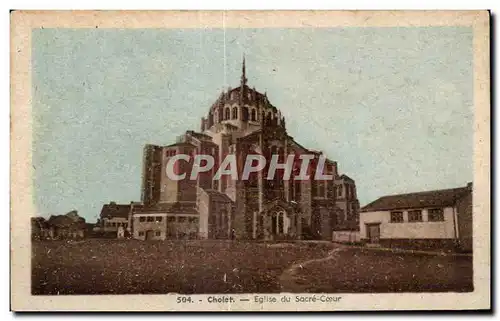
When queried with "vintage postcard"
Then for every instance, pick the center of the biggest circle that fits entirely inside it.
(250, 160)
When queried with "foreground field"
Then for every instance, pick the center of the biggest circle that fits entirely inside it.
(355, 270)
(132, 267)
(119, 267)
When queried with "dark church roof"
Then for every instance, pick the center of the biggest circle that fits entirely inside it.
(437, 198)
(174, 208)
(345, 177)
(218, 196)
(197, 135)
(181, 144)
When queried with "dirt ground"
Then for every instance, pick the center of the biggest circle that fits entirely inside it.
(133, 267)
(354, 270)
(97, 266)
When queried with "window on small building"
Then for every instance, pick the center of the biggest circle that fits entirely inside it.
(436, 215)
(158, 233)
(150, 219)
(415, 216)
(170, 219)
(397, 217)
(182, 219)
(227, 113)
(141, 233)
(159, 219)
(235, 113)
(193, 220)
(142, 219)
(339, 191)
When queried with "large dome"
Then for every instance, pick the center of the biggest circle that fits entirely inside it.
(242, 107)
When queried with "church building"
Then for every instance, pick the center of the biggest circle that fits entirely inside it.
(241, 122)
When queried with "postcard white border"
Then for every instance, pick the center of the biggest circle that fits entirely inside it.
(22, 208)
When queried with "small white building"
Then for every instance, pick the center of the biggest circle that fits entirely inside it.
(440, 219)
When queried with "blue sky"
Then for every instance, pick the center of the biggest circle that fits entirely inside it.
(392, 105)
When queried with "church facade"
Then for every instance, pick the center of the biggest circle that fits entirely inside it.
(241, 122)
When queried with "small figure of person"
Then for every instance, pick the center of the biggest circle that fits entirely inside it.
(233, 234)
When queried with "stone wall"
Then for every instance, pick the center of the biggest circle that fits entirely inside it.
(346, 236)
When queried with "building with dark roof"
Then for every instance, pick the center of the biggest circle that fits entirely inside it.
(113, 217)
(241, 122)
(430, 219)
(67, 226)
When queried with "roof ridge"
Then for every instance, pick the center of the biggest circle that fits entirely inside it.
(434, 198)
(425, 192)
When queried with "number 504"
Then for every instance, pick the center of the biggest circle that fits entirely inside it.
(184, 299)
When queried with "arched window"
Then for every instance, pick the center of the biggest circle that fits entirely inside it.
(220, 114)
(297, 190)
(321, 188)
(235, 113)
(244, 115)
(210, 119)
(254, 115)
(268, 119)
(227, 114)
(281, 152)
(281, 223)
(278, 177)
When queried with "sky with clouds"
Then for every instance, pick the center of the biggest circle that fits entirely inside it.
(392, 105)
